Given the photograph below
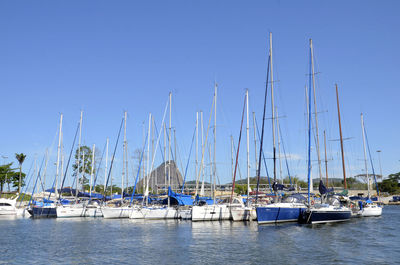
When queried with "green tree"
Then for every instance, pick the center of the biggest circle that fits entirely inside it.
(391, 184)
(6, 175)
(21, 158)
(85, 164)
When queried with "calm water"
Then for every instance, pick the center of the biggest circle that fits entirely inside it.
(89, 241)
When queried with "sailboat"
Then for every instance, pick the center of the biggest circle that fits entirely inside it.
(279, 211)
(239, 211)
(332, 210)
(219, 209)
(368, 208)
(77, 209)
(167, 211)
(118, 209)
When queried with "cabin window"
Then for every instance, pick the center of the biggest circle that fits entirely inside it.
(4, 204)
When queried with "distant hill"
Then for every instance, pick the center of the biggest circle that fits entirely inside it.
(158, 179)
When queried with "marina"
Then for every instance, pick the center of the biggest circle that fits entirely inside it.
(187, 132)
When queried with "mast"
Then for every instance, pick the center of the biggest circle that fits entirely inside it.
(255, 139)
(203, 148)
(144, 168)
(91, 172)
(152, 152)
(79, 153)
(105, 168)
(262, 128)
(279, 145)
(176, 154)
(315, 109)
(123, 161)
(58, 154)
(309, 120)
(165, 158)
(215, 139)
(148, 161)
(309, 179)
(169, 147)
(248, 146)
(197, 141)
(273, 107)
(341, 138)
(365, 155)
(326, 161)
(232, 155)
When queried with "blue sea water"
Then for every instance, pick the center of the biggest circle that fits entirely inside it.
(123, 241)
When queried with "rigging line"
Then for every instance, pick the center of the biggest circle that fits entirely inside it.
(69, 159)
(204, 148)
(262, 131)
(187, 164)
(37, 177)
(264, 159)
(372, 165)
(284, 153)
(239, 172)
(98, 167)
(138, 172)
(112, 159)
(237, 153)
(158, 140)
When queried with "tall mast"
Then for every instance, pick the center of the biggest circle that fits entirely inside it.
(123, 161)
(105, 168)
(262, 128)
(248, 146)
(341, 138)
(203, 147)
(365, 154)
(272, 106)
(255, 139)
(315, 109)
(91, 172)
(79, 154)
(165, 157)
(215, 139)
(197, 141)
(152, 152)
(326, 161)
(169, 146)
(309, 179)
(175, 153)
(232, 156)
(144, 159)
(62, 157)
(309, 121)
(148, 161)
(278, 131)
(58, 155)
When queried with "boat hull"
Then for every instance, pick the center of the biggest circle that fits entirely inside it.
(68, 211)
(161, 213)
(319, 216)
(44, 212)
(211, 213)
(116, 212)
(279, 213)
(93, 212)
(243, 214)
(372, 211)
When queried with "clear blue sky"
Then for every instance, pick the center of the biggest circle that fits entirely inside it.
(105, 57)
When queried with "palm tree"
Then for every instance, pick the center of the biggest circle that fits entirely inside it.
(21, 158)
